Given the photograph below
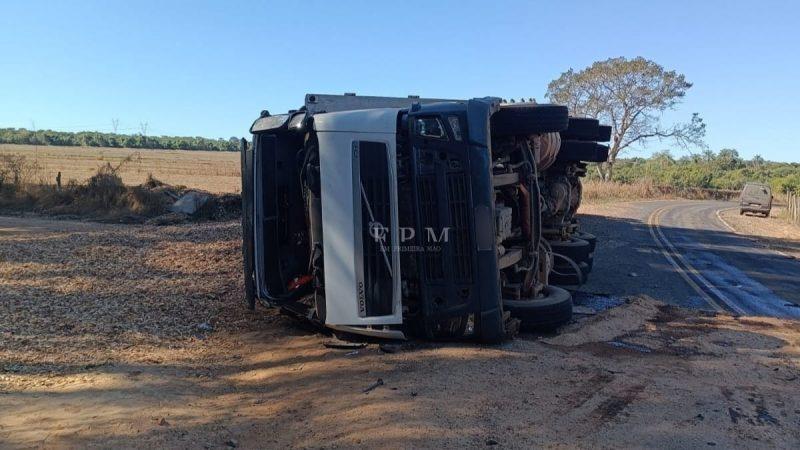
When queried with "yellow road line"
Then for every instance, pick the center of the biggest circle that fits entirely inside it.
(653, 222)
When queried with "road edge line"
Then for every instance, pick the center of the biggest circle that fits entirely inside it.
(725, 222)
(730, 227)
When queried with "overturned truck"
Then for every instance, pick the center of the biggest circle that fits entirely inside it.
(443, 219)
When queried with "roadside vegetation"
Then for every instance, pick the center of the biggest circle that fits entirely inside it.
(103, 196)
(707, 175)
(97, 139)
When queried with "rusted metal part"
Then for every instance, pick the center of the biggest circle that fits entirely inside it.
(525, 213)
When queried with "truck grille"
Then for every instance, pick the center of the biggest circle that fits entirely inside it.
(378, 285)
(429, 219)
(457, 252)
(458, 195)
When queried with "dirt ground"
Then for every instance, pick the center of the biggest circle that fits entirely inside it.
(773, 231)
(217, 172)
(136, 336)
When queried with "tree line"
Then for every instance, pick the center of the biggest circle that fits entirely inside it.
(98, 139)
(721, 170)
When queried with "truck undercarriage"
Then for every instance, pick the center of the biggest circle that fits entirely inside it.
(436, 218)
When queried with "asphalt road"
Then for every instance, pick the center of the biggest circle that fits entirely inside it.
(681, 252)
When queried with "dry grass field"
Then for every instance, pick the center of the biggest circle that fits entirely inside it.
(216, 172)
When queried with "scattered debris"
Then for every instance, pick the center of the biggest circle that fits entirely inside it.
(233, 443)
(491, 442)
(735, 415)
(353, 353)
(596, 302)
(167, 219)
(163, 422)
(583, 310)
(205, 327)
(373, 386)
(633, 274)
(390, 348)
(190, 203)
(343, 345)
(629, 346)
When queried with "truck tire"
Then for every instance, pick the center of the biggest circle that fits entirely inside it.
(548, 312)
(581, 129)
(588, 237)
(525, 118)
(575, 249)
(592, 240)
(604, 133)
(573, 150)
(566, 275)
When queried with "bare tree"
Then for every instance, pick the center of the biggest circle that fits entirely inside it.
(630, 95)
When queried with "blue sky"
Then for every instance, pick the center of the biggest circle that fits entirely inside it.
(207, 68)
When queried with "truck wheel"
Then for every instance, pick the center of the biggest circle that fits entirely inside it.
(592, 240)
(573, 150)
(551, 310)
(588, 237)
(582, 129)
(575, 249)
(566, 275)
(525, 119)
(604, 133)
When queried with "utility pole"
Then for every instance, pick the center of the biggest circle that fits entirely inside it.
(35, 142)
(115, 125)
(143, 129)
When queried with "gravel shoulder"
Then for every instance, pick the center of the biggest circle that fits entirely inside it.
(136, 336)
(774, 231)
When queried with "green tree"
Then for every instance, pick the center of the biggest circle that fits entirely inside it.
(757, 162)
(630, 95)
(728, 159)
